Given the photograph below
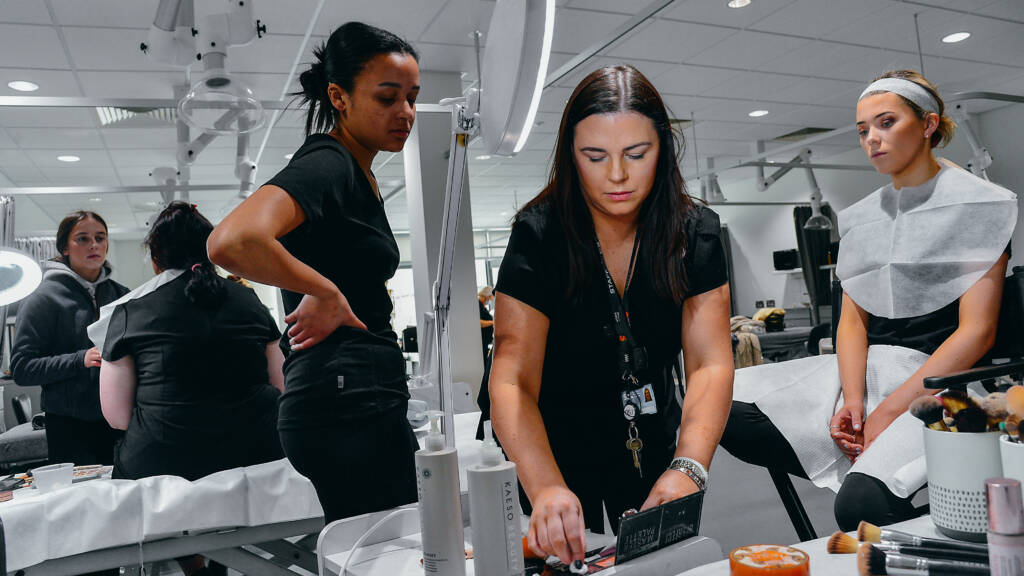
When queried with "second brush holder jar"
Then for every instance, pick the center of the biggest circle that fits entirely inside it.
(1013, 459)
(958, 465)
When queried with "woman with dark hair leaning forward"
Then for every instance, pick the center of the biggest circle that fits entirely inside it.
(318, 231)
(922, 262)
(52, 350)
(573, 392)
(190, 365)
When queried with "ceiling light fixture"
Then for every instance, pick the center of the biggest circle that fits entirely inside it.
(737, 3)
(23, 86)
(68, 158)
(96, 199)
(289, 155)
(484, 157)
(758, 113)
(956, 37)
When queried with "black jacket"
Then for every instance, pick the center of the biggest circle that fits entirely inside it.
(50, 342)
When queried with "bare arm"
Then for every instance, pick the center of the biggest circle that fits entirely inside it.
(246, 243)
(520, 340)
(275, 361)
(852, 357)
(974, 336)
(709, 367)
(117, 391)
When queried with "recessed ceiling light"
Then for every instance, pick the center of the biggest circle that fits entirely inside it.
(737, 3)
(23, 86)
(289, 156)
(956, 37)
(68, 158)
(758, 113)
(97, 199)
(484, 157)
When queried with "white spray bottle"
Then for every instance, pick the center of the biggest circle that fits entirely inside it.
(437, 484)
(494, 513)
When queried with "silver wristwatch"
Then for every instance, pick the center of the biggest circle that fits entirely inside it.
(695, 470)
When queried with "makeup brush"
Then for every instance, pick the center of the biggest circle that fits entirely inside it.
(868, 532)
(874, 562)
(929, 552)
(928, 409)
(994, 406)
(971, 419)
(1015, 400)
(1012, 427)
(842, 543)
(956, 400)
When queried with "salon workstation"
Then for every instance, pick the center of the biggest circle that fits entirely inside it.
(513, 287)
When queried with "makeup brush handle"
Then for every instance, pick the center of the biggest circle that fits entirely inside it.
(948, 544)
(955, 569)
(945, 554)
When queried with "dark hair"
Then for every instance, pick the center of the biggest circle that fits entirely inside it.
(944, 132)
(177, 239)
(68, 224)
(663, 215)
(339, 60)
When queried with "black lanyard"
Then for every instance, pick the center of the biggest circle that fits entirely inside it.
(631, 356)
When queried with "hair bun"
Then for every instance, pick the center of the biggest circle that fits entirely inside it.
(314, 80)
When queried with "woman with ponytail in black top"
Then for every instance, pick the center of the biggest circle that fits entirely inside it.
(190, 363)
(319, 232)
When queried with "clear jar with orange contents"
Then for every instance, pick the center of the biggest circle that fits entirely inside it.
(768, 560)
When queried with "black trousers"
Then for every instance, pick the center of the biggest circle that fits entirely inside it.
(357, 466)
(79, 441)
(750, 436)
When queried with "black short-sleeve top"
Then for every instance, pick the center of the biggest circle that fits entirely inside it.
(580, 394)
(346, 236)
(203, 398)
(924, 333)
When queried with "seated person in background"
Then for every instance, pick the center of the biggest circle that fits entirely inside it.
(191, 366)
(922, 265)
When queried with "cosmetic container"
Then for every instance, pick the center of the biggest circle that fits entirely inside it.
(1005, 526)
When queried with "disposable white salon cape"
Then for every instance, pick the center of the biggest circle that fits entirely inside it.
(904, 253)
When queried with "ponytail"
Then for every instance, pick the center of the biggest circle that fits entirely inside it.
(338, 61)
(177, 240)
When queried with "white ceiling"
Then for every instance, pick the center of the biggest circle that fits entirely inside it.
(803, 60)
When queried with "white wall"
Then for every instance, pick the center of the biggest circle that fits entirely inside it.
(758, 231)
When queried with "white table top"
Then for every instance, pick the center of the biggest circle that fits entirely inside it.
(821, 561)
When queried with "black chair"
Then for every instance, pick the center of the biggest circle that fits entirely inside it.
(1009, 346)
(22, 406)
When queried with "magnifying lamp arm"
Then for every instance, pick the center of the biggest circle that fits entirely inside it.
(170, 39)
(982, 159)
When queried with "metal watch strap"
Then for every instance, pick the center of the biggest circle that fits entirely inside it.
(695, 470)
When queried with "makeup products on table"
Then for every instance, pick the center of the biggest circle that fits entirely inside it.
(1005, 526)
(494, 512)
(842, 543)
(768, 560)
(867, 532)
(872, 561)
(437, 485)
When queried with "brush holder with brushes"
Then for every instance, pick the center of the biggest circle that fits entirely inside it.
(1012, 455)
(958, 464)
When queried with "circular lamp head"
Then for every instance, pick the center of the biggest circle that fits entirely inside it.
(20, 274)
(221, 104)
(514, 67)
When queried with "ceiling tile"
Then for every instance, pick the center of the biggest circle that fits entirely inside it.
(109, 49)
(818, 17)
(156, 84)
(689, 80)
(718, 13)
(577, 30)
(67, 141)
(456, 22)
(38, 117)
(668, 41)
(23, 12)
(104, 13)
(24, 46)
(407, 19)
(50, 82)
(748, 50)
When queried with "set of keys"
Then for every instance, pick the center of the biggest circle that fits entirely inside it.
(634, 444)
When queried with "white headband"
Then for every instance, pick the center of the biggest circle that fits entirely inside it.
(910, 90)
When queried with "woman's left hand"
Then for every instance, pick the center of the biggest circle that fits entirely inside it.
(876, 423)
(672, 485)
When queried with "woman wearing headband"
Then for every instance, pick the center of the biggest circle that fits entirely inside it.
(922, 262)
